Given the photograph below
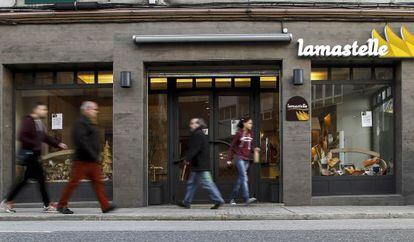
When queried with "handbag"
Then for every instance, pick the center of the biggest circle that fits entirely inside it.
(23, 156)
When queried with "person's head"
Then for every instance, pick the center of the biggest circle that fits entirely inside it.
(245, 123)
(196, 123)
(39, 110)
(90, 109)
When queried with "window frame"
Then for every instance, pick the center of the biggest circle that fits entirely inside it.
(357, 82)
(54, 86)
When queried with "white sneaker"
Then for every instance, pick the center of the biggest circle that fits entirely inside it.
(49, 209)
(232, 202)
(251, 200)
(5, 207)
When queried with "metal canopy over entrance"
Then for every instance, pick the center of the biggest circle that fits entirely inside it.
(203, 38)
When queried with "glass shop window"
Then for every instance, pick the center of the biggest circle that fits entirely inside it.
(63, 106)
(353, 128)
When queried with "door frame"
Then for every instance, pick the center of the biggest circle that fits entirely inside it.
(254, 101)
(252, 92)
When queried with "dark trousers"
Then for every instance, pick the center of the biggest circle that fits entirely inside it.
(33, 171)
(90, 170)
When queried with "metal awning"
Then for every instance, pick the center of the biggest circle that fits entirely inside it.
(191, 38)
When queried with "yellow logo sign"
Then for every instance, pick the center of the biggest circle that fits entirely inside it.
(398, 47)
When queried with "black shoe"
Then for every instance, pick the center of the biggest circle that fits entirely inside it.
(183, 205)
(110, 209)
(64, 210)
(216, 206)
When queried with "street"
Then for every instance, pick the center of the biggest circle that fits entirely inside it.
(263, 230)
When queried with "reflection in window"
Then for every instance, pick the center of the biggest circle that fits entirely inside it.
(269, 136)
(362, 74)
(223, 82)
(184, 83)
(384, 73)
(105, 77)
(86, 77)
(67, 102)
(44, 78)
(25, 78)
(340, 74)
(204, 82)
(64, 78)
(242, 82)
(158, 83)
(268, 81)
(319, 74)
(157, 137)
(353, 135)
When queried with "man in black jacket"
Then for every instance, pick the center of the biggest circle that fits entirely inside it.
(87, 158)
(198, 156)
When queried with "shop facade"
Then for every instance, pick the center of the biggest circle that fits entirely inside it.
(358, 107)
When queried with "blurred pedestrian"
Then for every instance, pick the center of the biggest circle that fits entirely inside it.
(241, 150)
(198, 157)
(87, 158)
(31, 136)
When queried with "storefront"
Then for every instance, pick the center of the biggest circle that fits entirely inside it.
(349, 142)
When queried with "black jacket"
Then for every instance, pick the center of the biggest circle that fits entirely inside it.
(198, 151)
(86, 140)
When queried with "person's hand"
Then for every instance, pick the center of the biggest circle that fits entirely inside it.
(186, 163)
(229, 163)
(257, 149)
(62, 146)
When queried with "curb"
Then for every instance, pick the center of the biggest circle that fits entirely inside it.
(221, 217)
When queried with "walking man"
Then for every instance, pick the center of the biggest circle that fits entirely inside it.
(198, 156)
(87, 158)
(31, 136)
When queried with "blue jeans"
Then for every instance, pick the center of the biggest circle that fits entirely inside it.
(242, 180)
(203, 177)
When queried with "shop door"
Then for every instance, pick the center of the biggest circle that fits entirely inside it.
(228, 109)
(221, 112)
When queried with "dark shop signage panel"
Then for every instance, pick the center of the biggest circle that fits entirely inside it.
(47, 1)
(297, 109)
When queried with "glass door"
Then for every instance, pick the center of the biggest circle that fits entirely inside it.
(188, 107)
(228, 109)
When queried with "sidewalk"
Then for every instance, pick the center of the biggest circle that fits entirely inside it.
(202, 212)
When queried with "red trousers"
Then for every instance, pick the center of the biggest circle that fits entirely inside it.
(90, 170)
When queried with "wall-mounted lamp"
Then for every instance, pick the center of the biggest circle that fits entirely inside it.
(297, 76)
(125, 79)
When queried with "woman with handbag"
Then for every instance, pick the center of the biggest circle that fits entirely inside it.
(241, 149)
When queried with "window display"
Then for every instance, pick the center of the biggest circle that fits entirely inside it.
(63, 105)
(352, 129)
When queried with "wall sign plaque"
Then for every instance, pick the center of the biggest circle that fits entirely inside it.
(297, 109)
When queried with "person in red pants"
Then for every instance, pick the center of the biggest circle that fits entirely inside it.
(87, 158)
